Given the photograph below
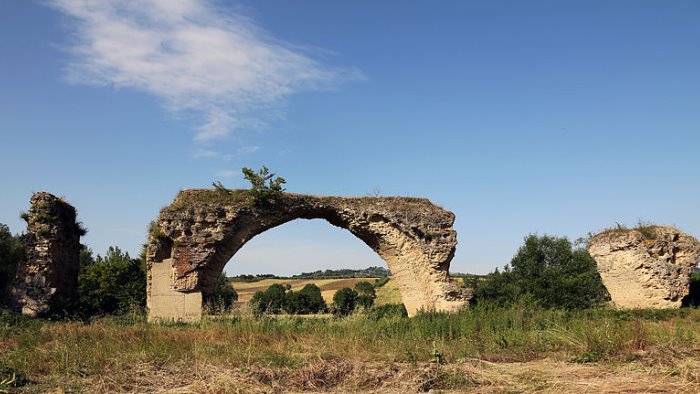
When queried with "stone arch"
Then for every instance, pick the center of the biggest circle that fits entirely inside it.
(197, 234)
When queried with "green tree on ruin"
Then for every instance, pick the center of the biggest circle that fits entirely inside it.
(264, 186)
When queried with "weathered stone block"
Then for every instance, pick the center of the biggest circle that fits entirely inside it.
(646, 268)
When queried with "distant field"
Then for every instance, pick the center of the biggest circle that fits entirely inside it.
(388, 294)
(328, 287)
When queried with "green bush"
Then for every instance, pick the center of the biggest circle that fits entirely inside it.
(278, 298)
(546, 271)
(387, 311)
(270, 300)
(221, 300)
(344, 301)
(365, 294)
(308, 300)
(11, 254)
(693, 297)
(264, 187)
(112, 284)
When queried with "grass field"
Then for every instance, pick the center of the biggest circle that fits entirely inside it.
(484, 350)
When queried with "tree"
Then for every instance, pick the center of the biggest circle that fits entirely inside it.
(264, 186)
(305, 301)
(365, 294)
(549, 271)
(222, 298)
(344, 301)
(111, 284)
(11, 254)
(271, 300)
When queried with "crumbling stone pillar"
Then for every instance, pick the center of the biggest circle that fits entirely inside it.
(202, 229)
(646, 267)
(47, 281)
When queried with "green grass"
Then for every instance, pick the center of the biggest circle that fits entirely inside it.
(111, 346)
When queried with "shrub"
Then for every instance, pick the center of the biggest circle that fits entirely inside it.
(221, 300)
(548, 271)
(305, 301)
(278, 298)
(365, 294)
(11, 254)
(264, 188)
(110, 285)
(387, 311)
(270, 300)
(693, 297)
(344, 301)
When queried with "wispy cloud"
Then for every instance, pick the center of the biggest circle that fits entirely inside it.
(213, 154)
(228, 174)
(197, 58)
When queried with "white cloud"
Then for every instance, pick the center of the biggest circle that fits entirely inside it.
(244, 150)
(228, 174)
(210, 154)
(195, 57)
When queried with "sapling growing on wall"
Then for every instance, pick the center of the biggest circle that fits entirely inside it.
(264, 186)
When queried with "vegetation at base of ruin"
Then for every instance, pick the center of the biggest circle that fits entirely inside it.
(11, 254)
(693, 297)
(113, 284)
(546, 271)
(264, 186)
(290, 353)
(221, 300)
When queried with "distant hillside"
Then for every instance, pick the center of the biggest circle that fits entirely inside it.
(370, 272)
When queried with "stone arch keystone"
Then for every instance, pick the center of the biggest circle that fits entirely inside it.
(195, 236)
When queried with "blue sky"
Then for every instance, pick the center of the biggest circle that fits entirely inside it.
(520, 117)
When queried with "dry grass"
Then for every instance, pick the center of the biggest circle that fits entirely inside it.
(484, 350)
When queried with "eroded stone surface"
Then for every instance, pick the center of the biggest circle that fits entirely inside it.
(646, 269)
(202, 229)
(48, 278)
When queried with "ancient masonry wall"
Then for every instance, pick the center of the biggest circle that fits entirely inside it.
(646, 268)
(47, 281)
(201, 230)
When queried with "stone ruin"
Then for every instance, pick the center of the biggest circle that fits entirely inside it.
(648, 267)
(195, 236)
(48, 279)
(202, 229)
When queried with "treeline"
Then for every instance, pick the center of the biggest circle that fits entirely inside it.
(369, 272)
